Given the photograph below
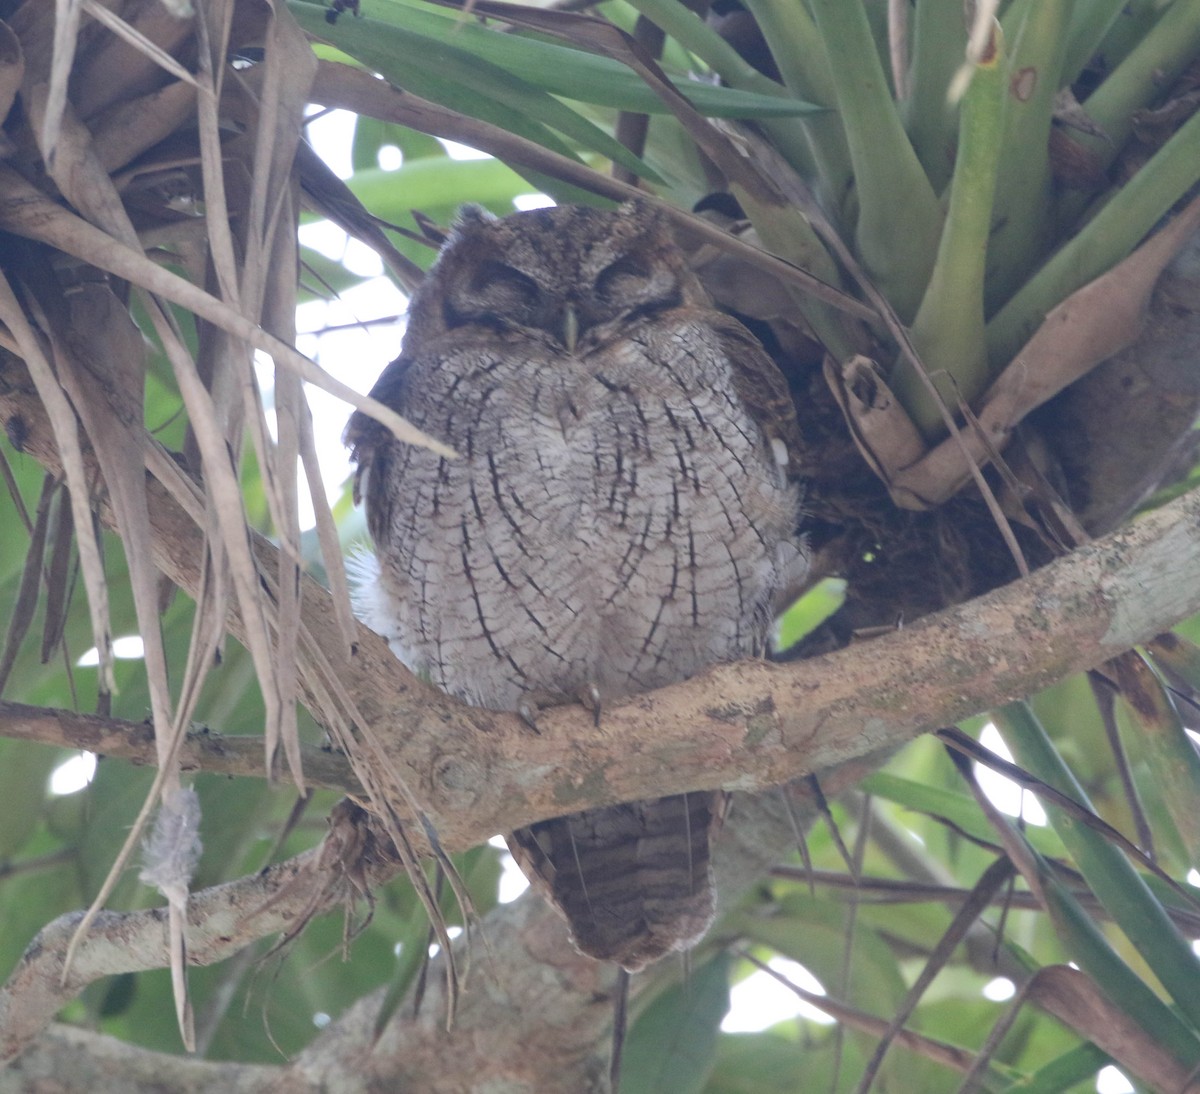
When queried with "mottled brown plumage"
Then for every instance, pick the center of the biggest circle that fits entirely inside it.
(619, 520)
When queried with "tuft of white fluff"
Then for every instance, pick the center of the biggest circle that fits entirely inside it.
(172, 849)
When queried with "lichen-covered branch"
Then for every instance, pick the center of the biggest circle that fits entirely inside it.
(745, 726)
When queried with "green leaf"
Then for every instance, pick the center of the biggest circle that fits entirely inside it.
(948, 330)
(433, 185)
(770, 1063)
(1115, 882)
(24, 770)
(809, 612)
(586, 77)
(960, 810)
(672, 1045)
(900, 219)
(449, 74)
(1064, 1073)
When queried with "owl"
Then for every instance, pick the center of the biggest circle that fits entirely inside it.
(621, 517)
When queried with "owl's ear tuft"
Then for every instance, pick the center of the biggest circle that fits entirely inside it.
(472, 216)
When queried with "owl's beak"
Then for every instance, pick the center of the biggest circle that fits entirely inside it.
(570, 327)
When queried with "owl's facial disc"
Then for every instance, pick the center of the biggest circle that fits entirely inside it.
(566, 273)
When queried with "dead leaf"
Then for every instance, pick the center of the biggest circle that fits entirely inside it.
(1091, 325)
(1077, 1001)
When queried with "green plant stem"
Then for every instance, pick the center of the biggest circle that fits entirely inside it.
(939, 46)
(900, 219)
(1091, 20)
(1152, 66)
(800, 56)
(948, 332)
(1035, 30)
(785, 231)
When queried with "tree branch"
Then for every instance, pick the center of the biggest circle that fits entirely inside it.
(203, 750)
(525, 970)
(744, 726)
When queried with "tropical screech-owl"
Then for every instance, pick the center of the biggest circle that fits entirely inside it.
(620, 518)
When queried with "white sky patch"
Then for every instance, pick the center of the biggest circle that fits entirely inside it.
(389, 157)
(324, 237)
(999, 990)
(458, 151)
(525, 202)
(512, 882)
(1112, 1081)
(453, 932)
(332, 135)
(352, 337)
(129, 647)
(760, 1001)
(1002, 792)
(73, 774)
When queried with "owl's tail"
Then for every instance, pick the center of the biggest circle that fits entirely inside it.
(634, 881)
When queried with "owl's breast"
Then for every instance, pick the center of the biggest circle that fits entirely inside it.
(614, 521)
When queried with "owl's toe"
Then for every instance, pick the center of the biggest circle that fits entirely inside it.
(589, 696)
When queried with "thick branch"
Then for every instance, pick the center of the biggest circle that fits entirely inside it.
(753, 725)
(743, 726)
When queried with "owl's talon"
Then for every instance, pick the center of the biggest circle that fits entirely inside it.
(590, 698)
(528, 712)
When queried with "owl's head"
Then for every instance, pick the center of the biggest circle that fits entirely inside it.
(569, 271)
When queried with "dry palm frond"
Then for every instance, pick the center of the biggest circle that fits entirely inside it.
(154, 151)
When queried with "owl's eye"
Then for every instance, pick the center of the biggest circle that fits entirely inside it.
(496, 292)
(624, 281)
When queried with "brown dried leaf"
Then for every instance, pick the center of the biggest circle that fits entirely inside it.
(1088, 327)
(12, 68)
(25, 211)
(66, 435)
(59, 578)
(127, 129)
(25, 606)
(882, 429)
(1077, 1001)
(100, 356)
(116, 67)
(135, 38)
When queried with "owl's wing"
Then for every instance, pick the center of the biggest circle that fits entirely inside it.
(762, 388)
(364, 436)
